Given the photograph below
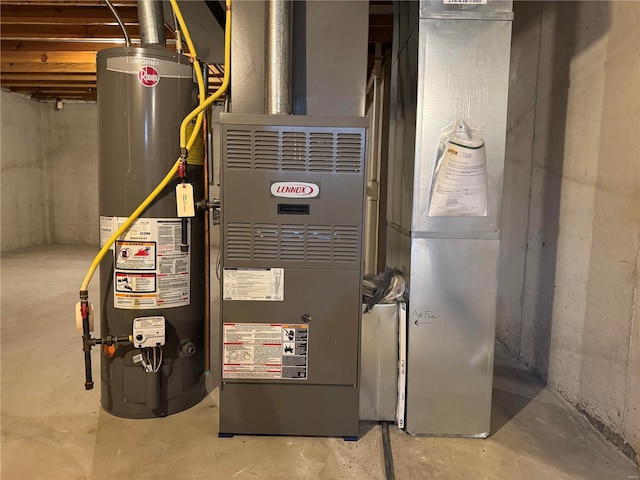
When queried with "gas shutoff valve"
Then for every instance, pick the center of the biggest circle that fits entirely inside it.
(148, 332)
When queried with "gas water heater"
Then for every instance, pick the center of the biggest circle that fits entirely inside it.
(152, 285)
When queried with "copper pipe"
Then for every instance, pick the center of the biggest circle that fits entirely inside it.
(207, 239)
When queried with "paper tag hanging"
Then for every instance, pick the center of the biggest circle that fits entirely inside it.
(184, 199)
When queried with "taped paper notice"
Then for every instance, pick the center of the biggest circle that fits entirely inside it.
(266, 284)
(261, 350)
(459, 186)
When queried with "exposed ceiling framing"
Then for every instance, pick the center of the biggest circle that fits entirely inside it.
(48, 48)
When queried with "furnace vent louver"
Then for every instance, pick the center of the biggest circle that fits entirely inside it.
(321, 147)
(292, 242)
(238, 241)
(239, 149)
(349, 152)
(266, 149)
(294, 150)
(265, 241)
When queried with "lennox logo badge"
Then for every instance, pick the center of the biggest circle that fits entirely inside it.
(148, 76)
(295, 189)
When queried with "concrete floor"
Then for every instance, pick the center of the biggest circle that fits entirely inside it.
(53, 429)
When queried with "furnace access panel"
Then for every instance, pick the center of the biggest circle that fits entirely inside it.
(293, 191)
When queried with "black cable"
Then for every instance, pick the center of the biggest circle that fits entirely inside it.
(388, 454)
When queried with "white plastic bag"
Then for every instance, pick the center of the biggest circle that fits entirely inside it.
(459, 187)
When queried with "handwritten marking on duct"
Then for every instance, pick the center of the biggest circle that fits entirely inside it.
(423, 317)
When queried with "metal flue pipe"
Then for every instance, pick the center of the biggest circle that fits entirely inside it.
(278, 57)
(151, 20)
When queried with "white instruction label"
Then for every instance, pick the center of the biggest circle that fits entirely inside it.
(265, 284)
(460, 183)
(150, 270)
(262, 350)
(465, 2)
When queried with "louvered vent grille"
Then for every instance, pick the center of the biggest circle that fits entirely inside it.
(294, 151)
(265, 241)
(319, 243)
(239, 241)
(267, 146)
(349, 151)
(321, 152)
(300, 150)
(292, 242)
(239, 149)
(345, 243)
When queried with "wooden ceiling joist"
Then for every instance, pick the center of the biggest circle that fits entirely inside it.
(47, 77)
(48, 47)
(77, 15)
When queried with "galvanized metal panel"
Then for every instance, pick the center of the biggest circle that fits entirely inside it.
(460, 72)
(451, 336)
(403, 131)
(206, 33)
(491, 9)
(247, 45)
(463, 74)
(405, 20)
(330, 58)
(379, 363)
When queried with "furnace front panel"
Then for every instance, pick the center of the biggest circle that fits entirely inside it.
(292, 216)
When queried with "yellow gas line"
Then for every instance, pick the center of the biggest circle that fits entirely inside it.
(204, 103)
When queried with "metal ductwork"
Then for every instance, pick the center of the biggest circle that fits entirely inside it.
(278, 57)
(151, 20)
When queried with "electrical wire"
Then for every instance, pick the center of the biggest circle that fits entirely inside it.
(125, 33)
(218, 264)
(159, 361)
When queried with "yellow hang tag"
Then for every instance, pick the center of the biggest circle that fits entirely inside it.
(184, 199)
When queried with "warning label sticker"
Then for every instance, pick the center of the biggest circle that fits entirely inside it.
(260, 350)
(150, 271)
(135, 282)
(266, 284)
(136, 255)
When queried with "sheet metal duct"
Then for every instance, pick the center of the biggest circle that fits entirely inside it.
(451, 62)
(278, 57)
(327, 78)
(151, 21)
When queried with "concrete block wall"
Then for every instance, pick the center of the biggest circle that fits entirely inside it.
(24, 216)
(569, 294)
(49, 173)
